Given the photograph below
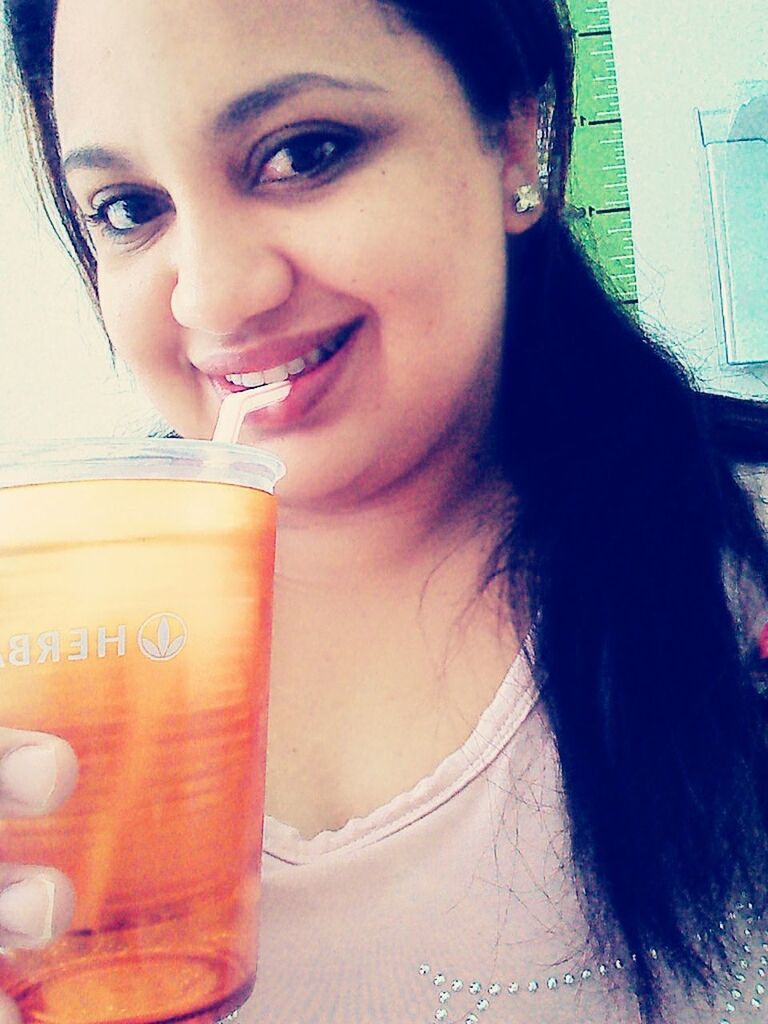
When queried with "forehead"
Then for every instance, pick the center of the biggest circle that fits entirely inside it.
(187, 56)
(208, 25)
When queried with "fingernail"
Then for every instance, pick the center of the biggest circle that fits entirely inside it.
(26, 908)
(29, 774)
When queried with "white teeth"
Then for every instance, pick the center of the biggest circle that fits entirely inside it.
(276, 374)
(294, 367)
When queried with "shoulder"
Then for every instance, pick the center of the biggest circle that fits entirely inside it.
(755, 479)
(750, 603)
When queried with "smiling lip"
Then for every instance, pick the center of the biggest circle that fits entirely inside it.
(304, 404)
(270, 354)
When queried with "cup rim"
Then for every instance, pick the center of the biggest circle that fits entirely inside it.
(78, 459)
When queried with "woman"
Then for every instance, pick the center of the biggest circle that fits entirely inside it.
(490, 466)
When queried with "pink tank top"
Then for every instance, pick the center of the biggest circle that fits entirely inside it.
(454, 903)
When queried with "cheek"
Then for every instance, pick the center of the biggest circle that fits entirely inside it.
(135, 306)
(429, 260)
(400, 232)
(433, 277)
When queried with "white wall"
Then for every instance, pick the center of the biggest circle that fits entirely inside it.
(671, 55)
(56, 379)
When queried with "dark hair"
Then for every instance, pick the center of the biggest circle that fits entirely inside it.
(632, 541)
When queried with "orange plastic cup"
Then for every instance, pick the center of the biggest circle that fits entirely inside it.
(135, 620)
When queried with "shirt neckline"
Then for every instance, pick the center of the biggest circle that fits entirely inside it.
(512, 703)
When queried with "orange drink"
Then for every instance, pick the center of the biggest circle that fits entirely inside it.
(135, 619)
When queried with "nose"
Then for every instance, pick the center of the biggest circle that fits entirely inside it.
(226, 275)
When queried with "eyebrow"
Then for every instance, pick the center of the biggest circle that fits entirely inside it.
(94, 156)
(248, 107)
(254, 104)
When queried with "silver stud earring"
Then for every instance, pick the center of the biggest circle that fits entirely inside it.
(527, 198)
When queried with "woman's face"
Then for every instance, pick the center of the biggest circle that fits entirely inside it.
(268, 180)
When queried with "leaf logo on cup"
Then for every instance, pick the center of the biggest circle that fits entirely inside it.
(162, 636)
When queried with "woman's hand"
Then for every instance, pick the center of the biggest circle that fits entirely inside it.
(37, 774)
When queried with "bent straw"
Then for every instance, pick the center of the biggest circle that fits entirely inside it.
(236, 407)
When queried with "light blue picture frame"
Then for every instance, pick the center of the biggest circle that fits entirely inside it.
(735, 149)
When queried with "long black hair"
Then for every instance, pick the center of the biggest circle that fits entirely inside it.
(632, 542)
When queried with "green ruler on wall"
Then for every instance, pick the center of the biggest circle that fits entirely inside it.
(597, 186)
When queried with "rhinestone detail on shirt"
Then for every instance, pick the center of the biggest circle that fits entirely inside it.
(747, 982)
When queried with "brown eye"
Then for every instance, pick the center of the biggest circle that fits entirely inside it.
(309, 155)
(121, 216)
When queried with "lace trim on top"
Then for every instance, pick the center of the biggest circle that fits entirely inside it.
(513, 702)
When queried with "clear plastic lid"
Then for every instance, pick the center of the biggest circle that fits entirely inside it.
(146, 458)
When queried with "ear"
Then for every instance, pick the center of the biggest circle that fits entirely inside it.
(520, 167)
